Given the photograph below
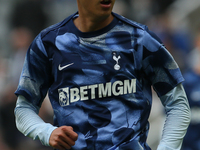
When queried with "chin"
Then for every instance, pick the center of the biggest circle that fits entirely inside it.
(105, 14)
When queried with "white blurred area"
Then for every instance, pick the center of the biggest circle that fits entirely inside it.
(176, 23)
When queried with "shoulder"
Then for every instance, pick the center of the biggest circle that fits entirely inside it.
(48, 35)
(141, 29)
(130, 22)
(56, 27)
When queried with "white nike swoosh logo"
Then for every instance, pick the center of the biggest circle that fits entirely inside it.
(63, 67)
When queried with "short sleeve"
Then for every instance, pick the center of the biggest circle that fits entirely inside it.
(159, 66)
(35, 77)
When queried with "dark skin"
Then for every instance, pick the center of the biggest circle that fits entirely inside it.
(93, 15)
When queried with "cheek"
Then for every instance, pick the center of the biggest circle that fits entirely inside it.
(90, 7)
(93, 9)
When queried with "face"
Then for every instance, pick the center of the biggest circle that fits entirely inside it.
(95, 9)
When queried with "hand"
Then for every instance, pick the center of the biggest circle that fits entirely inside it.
(63, 138)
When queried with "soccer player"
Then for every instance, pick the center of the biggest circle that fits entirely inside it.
(98, 69)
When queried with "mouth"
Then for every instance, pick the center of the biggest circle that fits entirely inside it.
(106, 2)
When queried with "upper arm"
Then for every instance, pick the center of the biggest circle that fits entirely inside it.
(159, 66)
(35, 77)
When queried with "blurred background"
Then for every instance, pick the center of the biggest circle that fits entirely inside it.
(176, 22)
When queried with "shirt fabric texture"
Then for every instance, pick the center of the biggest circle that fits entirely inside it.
(99, 82)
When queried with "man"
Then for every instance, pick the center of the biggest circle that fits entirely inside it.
(98, 68)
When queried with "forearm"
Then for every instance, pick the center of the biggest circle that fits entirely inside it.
(30, 124)
(177, 119)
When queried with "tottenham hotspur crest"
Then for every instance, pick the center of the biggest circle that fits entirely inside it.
(116, 58)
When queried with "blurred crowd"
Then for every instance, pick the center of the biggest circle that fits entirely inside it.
(174, 21)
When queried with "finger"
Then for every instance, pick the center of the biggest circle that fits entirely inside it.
(70, 133)
(60, 147)
(60, 140)
(68, 140)
(65, 145)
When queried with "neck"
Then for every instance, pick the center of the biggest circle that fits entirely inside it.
(89, 24)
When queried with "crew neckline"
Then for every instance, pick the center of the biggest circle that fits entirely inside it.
(76, 31)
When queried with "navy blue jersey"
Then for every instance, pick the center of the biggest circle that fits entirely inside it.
(192, 89)
(99, 82)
